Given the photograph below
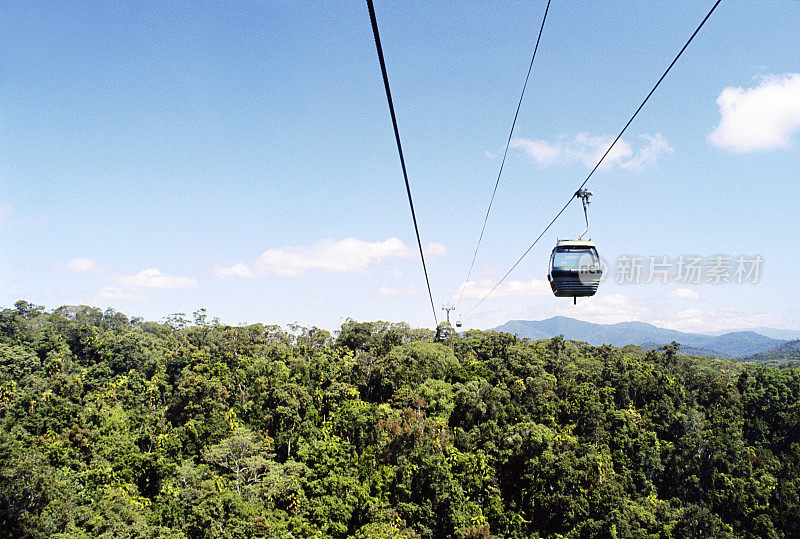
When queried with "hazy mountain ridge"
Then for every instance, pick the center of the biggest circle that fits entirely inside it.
(731, 344)
(772, 333)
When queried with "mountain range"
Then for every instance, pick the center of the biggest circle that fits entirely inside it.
(728, 345)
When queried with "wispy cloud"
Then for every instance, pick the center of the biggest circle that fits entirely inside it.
(82, 265)
(121, 293)
(349, 255)
(435, 249)
(648, 155)
(153, 278)
(396, 293)
(699, 320)
(545, 153)
(759, 118)
(588, 149)
(480, 288)
(608, 309)
(685, 293)
(237, 270)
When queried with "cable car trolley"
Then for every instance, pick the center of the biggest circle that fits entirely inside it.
(575, 270)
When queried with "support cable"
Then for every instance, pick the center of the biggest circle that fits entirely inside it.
(505, 153)
(601, 159)
(400, 149)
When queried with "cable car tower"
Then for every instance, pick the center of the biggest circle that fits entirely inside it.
(447, 308)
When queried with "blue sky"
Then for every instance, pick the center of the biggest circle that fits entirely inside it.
(159, 158)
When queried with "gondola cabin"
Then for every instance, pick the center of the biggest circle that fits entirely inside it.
(575, 269)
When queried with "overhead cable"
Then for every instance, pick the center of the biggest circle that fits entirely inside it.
(505, 153)
(400, 149)
(603, 157)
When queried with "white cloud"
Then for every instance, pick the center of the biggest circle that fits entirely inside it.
(490, 155)
(480, 288)
(542, 151)
(153, 278)
(435, 249)
(697, 320)
(395, 272)
(685, 293)
(588, 149)
(607, 309)
(759, 118)
(237, 270)
(396, 293)
(82, 265)
(349, 255)
(647, 156)
(120, 293)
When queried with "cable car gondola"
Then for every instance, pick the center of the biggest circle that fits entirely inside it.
(575, 270)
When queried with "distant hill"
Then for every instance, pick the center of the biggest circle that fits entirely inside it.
(729, 345)
(772, 333)
(788, 351)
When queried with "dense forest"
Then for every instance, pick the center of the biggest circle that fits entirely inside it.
(121, 427)
(782, 356)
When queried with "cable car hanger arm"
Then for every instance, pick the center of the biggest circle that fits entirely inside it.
(584, 195)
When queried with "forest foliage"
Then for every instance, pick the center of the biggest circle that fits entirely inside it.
(785, 355)
(121, 427)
